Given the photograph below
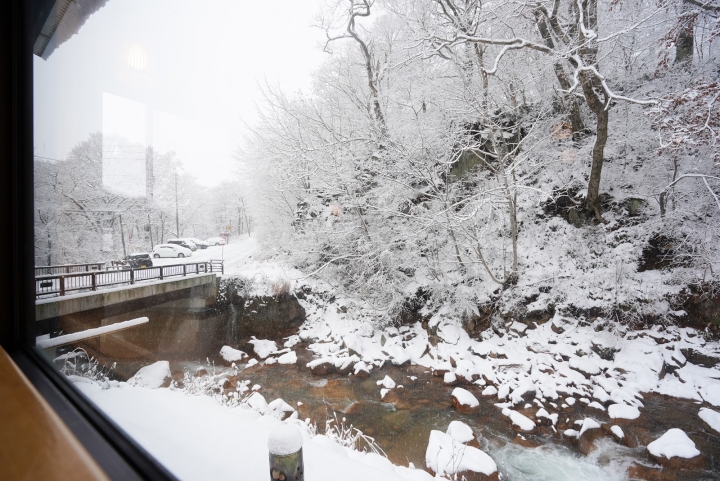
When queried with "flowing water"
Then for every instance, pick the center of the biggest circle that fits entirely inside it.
(401, 423)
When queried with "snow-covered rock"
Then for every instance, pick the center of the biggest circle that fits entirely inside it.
(544, 417)
(322, 366)
(675, 450)
(446, 456)
(460, 432)
(623, 411)
(600, 394)
(232, 355)
(362, 369)
(263, 348)
(257, 402)
(520, 422)
(585, 366)
(712, 418)
(152, 376)
(489, 391)
(387, 383)
(589, 432)
(464, 401)
(398, 355)
(279, 409)
(287, 358)
(711, 393)
(617, 433)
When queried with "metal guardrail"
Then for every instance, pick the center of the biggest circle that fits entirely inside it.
(217, 265)
(62, 284)
(68, 269)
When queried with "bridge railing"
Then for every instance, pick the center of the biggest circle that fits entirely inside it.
(62, 284)
(68, 269)
(217, 265)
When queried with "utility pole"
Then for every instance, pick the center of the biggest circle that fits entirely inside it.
(150, 231)
(247, 222)
(122, 236)
(177, 215)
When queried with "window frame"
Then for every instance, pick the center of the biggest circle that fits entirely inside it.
(120, 456)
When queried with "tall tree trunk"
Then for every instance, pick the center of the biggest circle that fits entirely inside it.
(571, 104)
(602, 115)
(593, 196)
(49, 245)
(371, 71)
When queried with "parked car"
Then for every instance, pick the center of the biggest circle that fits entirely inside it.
(200, 243)
(139, 260)
(185, 242)
(170, 250)
(216, 241)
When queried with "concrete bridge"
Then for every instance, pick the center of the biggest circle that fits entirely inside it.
(199, 291)
(180, 312)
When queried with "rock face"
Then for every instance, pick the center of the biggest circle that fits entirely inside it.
(266, 317)
(702, 309)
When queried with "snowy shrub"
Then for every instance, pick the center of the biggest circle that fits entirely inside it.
(350, 436)
(78, 363)
(279, 287)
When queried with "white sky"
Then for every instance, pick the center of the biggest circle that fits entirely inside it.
(197, 70)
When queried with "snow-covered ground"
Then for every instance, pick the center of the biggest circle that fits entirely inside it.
(198, 439)
(541, 370)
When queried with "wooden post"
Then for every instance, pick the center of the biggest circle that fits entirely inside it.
(184, 270)
(132, 276)
(94, 281)
(62, 285)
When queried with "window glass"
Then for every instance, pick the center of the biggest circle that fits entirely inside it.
(418, 239)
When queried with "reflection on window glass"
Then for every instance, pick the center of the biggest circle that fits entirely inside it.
(385, 239)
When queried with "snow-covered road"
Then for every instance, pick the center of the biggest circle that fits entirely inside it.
(235, 255)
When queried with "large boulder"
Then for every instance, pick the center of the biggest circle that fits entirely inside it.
(675, 450)
(445, 456)
(589, 433)
(519, 422)
(464, 401)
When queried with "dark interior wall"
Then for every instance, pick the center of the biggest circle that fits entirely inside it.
(20, 23)
(16, 246)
